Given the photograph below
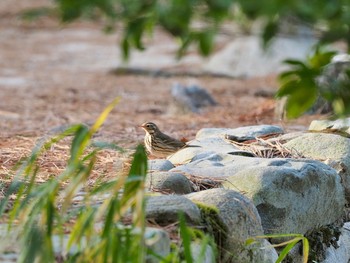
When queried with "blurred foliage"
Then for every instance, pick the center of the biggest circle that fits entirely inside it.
(199, 21)
(300, 83)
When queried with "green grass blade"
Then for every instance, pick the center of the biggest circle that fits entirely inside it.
(287, 249)
(306, 249)
(82, 227)
(100, 120)
(80, 141)
(186, 239)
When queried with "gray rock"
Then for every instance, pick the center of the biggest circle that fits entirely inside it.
(159, 165)
(287, 192)
(333, 149)
(239, 220)
(158, 241)
(198, 256)
(208, 146)
(9, 258)
(337, 125)
(190, 99)
(216, 166)
(211, 141)
(164, 209)
(342, 253)
(249, 131)
(292, 196)
(213, 166)
(335, 78)
(175, 183)
(245, 56)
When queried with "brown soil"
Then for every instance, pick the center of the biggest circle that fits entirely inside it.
(53, 75)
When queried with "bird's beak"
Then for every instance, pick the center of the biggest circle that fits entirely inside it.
(142, 126)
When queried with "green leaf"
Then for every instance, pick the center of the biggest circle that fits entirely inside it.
(82, 227)
(79, 143)
(107, 145)
(101, 119)
(270, 30)
(35, 13)
(287, 249)
(205, 40)
(125, 47)
(186, 238)
(137, 174)
(306, 249)
(320, 59)
(294, 62)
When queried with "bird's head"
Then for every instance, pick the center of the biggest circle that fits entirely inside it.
(150, 127)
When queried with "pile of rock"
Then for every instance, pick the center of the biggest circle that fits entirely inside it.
(254, 196)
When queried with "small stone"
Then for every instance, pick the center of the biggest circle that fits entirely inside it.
(164, 209)
(190, 99)
(158, 241)
(159, 165)
(175, 183)
(208, 257)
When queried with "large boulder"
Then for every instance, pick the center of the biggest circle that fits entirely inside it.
(332, 149)
(236, 220)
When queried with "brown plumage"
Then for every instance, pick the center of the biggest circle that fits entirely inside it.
(159, 144)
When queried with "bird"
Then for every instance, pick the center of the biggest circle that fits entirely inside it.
(159, 144)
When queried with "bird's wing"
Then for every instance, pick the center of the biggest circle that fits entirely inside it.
(173, 142)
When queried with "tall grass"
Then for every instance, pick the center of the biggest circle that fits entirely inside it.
(41, 212)
(40, 216)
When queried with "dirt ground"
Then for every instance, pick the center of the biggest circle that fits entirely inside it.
(53, 75)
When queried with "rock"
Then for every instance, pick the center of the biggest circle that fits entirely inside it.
(164, 209)
(208, 146)
(175, 183)
(335, 79)
(207, 257)
(213, 166)
(248, 131)
(159, 165)
(158, 241)
(190, 99)
(269, 254)
(281, 189)
(236, 219)
(342, 253)
(333, 149)
(9, 258)
(342, 125)
(292, 196)
(245, 56)
(211, 141)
